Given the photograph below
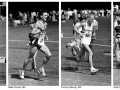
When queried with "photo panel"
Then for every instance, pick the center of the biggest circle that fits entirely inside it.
(85, 44)
(116, 44)
(33, 50)
(2, 43)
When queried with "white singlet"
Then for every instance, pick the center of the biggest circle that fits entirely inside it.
(87, 34)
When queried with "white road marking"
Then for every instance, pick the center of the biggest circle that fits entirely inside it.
(56, 42)
(95, 44)
(96, 39)
(27, 41)
(2, 45)
(102, 45)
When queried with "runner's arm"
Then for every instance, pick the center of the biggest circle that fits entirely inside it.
(76, 27)
(36, 28)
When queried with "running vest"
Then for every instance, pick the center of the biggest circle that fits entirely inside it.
(42, 26)
(88, 30)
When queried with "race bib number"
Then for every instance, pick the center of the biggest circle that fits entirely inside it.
(41, 40)
(88, 35)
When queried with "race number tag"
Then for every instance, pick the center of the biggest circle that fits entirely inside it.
(41, 40)
(88, 35)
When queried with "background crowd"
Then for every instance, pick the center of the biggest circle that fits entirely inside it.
(69, 14)
(25, 18)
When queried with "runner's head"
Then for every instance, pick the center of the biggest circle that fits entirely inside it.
(82, 18)
(91, 17)
(43, 15)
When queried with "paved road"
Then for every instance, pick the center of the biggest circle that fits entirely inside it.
(18, 52)
(33, 81)
(83, 78)
(116, 73)
(2, 52)
(71, 76)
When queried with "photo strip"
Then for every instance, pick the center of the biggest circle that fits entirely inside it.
(2, 43)
(116, 43)
(33, 33)
(85, 44)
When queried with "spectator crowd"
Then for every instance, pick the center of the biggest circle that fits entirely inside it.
(25, 18)
(69, 14)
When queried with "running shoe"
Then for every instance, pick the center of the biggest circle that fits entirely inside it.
(94, 71)
(21, 74)
(41, 72)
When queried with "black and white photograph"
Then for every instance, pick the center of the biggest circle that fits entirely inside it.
(2, 43)
(116, 43)
(85, 44)
(33, 44)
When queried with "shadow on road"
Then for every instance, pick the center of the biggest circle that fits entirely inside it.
(70, 58)
(75, 59)
(39, 78)
(16, 76)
